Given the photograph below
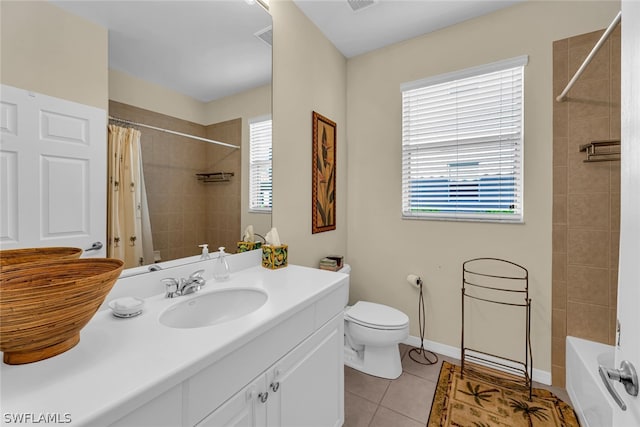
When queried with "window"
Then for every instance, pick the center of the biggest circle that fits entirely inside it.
(462, 136)
(260, 183)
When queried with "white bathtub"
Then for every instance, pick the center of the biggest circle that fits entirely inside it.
(591, 400)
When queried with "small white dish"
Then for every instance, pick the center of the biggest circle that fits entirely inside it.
(126, 306)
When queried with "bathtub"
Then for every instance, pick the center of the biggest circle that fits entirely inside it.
(591, 400)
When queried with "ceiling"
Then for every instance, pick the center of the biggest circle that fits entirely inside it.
(203, 49)
(208, 49)
(385, 22)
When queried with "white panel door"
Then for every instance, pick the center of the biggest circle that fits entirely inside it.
(629, 272)
(53, 167)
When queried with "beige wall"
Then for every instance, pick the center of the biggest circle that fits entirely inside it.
(47, 50)
(131, 90)
(309, 74)
(383, 248)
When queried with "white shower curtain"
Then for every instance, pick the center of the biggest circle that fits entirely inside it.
(128, 226)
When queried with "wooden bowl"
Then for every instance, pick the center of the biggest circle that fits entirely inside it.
(20, 256)
(44, 305)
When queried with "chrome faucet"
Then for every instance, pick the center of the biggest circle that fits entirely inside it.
(177, 287)
(193, 284)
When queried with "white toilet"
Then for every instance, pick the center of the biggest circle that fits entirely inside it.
(372, 333)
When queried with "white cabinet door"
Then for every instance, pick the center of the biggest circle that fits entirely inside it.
(306, 387)
(244, 409)
(53, 169)
(303, 389)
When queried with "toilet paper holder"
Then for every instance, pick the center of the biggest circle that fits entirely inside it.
(428, 357)
(414, 280)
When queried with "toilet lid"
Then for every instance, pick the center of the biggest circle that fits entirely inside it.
(377, 315)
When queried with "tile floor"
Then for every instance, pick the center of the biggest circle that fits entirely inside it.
(403, 402)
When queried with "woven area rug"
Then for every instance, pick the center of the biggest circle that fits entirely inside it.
(485, 399)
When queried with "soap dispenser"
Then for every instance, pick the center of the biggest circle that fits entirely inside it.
(221, 268)
(205, 251)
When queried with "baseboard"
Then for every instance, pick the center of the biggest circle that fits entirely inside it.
(543, 377)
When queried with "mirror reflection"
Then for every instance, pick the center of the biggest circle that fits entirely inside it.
(202, 69)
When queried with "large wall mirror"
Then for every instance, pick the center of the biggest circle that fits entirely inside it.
(200, 68)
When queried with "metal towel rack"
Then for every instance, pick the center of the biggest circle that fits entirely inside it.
(596, 150)
(498, 282)
(215, 176)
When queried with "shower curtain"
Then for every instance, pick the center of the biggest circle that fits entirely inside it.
(128, 226)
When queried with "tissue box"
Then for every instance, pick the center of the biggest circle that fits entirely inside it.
(274, 257)
(248, 246)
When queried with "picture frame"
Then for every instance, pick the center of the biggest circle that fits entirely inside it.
(323, 168)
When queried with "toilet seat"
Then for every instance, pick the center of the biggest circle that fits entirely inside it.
(377, 316)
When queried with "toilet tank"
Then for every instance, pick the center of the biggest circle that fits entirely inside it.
(346, 269)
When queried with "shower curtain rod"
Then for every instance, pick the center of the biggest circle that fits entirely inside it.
(173, 132)
(586, 62)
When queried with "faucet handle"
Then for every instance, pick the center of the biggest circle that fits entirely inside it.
(197, 275)
(172, 286)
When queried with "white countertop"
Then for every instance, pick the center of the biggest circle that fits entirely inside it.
(123, 362)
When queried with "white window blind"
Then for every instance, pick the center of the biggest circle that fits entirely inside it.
(260, 178)
(462, 136)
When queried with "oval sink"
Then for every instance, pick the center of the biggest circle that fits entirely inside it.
(213, 308)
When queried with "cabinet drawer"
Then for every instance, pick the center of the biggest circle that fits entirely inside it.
(164, 410)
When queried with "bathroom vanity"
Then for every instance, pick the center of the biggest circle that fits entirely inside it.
(281, 364)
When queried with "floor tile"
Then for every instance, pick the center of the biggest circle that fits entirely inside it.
(428, 372)
(366, 386)
(558, 391)
(358, 412)
(411, 396)
(386, 418)
(404, 402)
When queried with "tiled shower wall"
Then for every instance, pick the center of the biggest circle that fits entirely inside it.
(184, 212)
(223, 201)
(586, 196)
